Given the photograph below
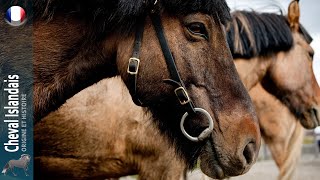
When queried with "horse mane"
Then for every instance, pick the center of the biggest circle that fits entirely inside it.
(305, 34)
(119, 15)
(251, 34)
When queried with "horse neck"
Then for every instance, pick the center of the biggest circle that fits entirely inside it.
(280, 129)
(252, 70)
(67, 60)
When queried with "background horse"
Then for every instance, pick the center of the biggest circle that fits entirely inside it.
(279, 128)
(130, 155)
(78, 43)
(23, 163)
(272, 48)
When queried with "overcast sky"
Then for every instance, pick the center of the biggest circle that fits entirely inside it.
(310, 18)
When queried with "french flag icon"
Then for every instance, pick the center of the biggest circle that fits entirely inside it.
(16, 16)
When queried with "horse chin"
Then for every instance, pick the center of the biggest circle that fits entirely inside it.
(212, 170)
(315, 116)
(209, 163)
(311, 119)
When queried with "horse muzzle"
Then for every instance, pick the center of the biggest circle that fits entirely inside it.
(311, 119)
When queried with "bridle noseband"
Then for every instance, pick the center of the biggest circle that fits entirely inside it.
(176, 81)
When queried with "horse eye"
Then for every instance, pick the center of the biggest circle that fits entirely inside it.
(198, 29)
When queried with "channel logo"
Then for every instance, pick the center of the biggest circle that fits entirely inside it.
(16, 16)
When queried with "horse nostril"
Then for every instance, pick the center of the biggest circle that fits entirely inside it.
(249, 153)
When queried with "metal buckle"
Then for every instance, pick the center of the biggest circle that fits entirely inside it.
(205, 133)
(184, 92)
(133, 60)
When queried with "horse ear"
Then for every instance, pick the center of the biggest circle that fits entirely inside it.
(294, 15)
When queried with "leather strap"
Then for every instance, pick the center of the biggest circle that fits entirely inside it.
(175, 80)
(134, 62)
(180, 91)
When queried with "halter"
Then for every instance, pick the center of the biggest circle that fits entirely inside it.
(176, 81)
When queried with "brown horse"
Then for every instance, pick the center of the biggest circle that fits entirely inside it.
(77, 43)
(253, 41)
(281, 131)
(59, 154)
(279, 128)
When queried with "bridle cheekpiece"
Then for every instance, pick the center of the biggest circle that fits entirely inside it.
(175, 80)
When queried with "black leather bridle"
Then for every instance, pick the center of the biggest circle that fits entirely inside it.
(176, 81)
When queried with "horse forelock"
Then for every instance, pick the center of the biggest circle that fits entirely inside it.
(252, 34)
(210, 7)
(117, 15)
(305, 34)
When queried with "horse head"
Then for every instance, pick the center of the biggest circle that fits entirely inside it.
(299, 91)
(271, 49)
(174, 59)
